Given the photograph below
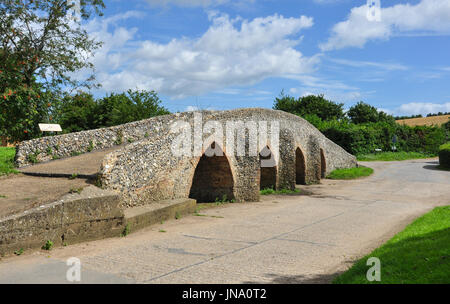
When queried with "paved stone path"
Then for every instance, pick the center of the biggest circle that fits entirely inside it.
(85, 164)
(283, 239)
(21, 192)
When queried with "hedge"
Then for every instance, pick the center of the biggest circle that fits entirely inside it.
(365, 138)
(444, 155)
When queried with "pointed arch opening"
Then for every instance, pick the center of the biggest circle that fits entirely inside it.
(300, 167)
(268, 169)
(323, 164)
(213, 179)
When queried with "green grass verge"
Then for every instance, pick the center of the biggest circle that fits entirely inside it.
(281, 191)
(350, 173)
(393, 156)
(420, 254)
(7, 161)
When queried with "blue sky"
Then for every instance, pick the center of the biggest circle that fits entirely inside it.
(224, 54)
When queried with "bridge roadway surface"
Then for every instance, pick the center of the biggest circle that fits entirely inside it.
(282, 239)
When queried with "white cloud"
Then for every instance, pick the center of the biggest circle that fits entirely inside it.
(426, 17)
(232, 52)
(321, 83)
(423, 108)
(336, 95)
(379, 65)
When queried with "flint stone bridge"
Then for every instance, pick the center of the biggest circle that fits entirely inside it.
(143, 169)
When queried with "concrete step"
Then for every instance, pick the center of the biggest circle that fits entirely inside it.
(143, 216)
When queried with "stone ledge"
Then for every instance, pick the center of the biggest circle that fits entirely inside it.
(91, 215)
(141, 217)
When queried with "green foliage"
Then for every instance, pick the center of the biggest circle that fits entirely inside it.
(22, 108)
(19, 252)
(365, 129)
(91, 146)
(76, 190)
(77, 113)
(32, 157)
(7, 161)
(126, 231)
(444, 155)
(350, 173)
(309, 105)
(177, 215)
(49, 47)
(365, 138)
(84, 112)
(117, 109)
(418, 255)
(119, 139)
(364, 113)
(39, 54)
(269, 191)
(48, 245)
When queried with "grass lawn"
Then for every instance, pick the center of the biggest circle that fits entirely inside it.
(7, 161)
(392, 156)
(420, 254)
(281, 191)
(350, 173)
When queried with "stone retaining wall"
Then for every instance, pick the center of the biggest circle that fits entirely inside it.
(93, 214)
(66, 145)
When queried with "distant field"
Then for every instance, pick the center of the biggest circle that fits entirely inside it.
(425, 121)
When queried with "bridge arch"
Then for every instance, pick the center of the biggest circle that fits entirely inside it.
(268, 169)
(323, 164)
(300, 167)
(213, 178)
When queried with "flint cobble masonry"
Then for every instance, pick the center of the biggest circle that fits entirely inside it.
(144, 169)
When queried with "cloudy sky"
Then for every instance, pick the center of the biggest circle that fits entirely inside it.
(224, 54)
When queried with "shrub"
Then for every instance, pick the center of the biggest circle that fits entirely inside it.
(48, 245)
(310, 105)
(363, 129)
(444, 155)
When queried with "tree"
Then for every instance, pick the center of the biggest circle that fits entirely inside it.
(41, 46)
(45, 41)
(83, 112)
(77, 113)
(310, 105)
(117, 109)
(364, 113)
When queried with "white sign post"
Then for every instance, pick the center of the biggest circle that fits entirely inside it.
(50, 127)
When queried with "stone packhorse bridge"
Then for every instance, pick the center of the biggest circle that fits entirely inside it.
(146, 169)
(144, 179)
